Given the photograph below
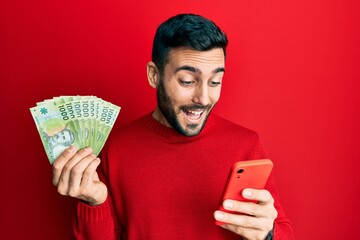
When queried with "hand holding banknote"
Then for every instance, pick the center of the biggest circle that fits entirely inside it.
(73, 130)
(74, 175)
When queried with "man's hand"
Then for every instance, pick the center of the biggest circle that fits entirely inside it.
(74, 175)
(255, 220)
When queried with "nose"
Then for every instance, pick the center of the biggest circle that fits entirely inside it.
(201, 95)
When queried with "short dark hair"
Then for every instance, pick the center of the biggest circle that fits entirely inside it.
(186, 30)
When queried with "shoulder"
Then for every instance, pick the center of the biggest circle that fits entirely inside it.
(227, 131)
(230, 127)
(135, 129)
(231, 135)
(133, 125)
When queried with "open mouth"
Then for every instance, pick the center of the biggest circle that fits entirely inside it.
(193, 115)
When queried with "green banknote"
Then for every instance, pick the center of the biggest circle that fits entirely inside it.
(81, 121)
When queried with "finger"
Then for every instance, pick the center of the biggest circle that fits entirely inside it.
(262, 196)
(76, 174)
(248, 208)
(88, 176)
(94, 191)
(64, 180)
(241, 220)
(60, 162)
(246, 233)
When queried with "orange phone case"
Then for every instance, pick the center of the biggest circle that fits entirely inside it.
(245, 174)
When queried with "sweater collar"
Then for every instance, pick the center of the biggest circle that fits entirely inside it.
(170, 133)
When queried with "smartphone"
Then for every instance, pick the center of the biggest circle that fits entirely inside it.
(245, 174)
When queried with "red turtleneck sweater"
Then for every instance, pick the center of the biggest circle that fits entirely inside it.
(163, 185)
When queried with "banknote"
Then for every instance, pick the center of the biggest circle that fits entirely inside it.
(81, 121)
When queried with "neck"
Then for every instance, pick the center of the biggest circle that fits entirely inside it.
(157, 114)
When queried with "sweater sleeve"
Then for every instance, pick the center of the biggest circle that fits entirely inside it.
(282, 225)
(94, 222)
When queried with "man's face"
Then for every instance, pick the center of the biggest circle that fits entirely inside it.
(189, 88)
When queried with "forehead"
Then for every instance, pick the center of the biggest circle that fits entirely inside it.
(213, 58)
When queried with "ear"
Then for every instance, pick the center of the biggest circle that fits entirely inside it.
(153, 74)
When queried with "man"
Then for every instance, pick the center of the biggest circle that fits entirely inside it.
(162, 175)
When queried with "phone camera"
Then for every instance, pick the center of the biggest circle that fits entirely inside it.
(239, 172)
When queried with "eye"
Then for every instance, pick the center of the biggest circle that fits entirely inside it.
(214, 83)
(186, 82)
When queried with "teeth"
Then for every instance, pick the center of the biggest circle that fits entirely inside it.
(195, 114)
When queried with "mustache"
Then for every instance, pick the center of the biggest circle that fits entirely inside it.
(194, 107)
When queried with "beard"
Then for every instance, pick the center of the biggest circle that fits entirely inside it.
(167, 108)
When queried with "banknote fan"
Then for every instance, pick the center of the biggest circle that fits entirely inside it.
(81, 121)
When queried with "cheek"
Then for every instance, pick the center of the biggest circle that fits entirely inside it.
(180, 96)
(214, 95)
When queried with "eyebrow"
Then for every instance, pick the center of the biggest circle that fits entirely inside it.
(196, 70)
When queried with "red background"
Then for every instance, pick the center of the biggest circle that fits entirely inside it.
(293, 71)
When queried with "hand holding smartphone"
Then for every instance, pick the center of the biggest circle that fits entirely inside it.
(245, 174)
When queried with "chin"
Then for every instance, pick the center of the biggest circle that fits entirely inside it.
(191, 130)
